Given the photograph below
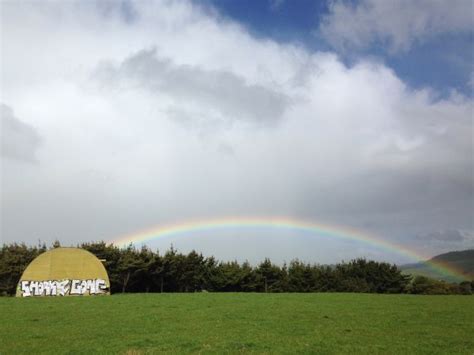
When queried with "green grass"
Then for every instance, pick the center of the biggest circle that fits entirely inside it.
(210, 322)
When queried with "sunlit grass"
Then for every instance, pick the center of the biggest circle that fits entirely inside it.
(208, 322)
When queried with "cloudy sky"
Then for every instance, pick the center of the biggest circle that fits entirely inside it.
(117, 116)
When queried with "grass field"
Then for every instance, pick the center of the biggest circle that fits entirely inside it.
(208, 322)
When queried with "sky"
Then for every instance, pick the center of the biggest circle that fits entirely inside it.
(121, 116)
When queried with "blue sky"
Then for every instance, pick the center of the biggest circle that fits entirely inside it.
(443, 62)
(291, 21)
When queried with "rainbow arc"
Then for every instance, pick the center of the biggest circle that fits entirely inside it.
(282, 223)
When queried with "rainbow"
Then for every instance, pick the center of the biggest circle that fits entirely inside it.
(282, 223)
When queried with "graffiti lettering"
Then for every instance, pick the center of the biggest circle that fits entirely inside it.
(63, 287)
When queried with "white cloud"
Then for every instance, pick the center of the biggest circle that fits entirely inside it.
(134, 138)
(396, 23)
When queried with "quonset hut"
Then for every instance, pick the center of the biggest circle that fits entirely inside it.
(64, 272)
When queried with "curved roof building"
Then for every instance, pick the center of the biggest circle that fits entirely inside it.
(64, 272)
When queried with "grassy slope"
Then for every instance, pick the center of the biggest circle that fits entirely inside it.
(460, 260)
(329, 323)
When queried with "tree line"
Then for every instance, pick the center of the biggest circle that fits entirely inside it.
(143, 270)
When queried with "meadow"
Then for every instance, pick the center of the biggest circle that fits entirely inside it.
(239, 322)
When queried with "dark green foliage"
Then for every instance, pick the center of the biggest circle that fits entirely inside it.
(14, 259)
(427, 286)
(369, 276)
(466, 288)
(270, 277)
(143, 270)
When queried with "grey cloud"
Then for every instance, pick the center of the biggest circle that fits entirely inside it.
(124, 9)
(222, 91)
(20, 141)
(226, 149)
(450, 235)
(197, 119)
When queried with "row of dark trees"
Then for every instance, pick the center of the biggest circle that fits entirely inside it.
(143, 270)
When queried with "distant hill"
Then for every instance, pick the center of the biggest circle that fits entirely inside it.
(462, 261)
